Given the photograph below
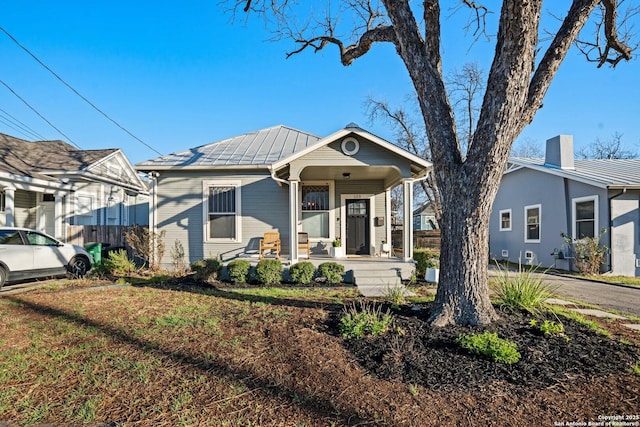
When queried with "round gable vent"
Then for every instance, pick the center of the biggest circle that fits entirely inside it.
(350, 146)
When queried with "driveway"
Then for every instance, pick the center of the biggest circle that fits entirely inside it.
(622, 299)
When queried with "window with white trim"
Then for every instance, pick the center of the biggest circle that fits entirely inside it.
(222, 201)
(2, 201)
(532, 216)
(585, 217)
(505, 220)
(85, 213)
(315, 210)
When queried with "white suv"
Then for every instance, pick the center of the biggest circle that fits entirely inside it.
(29, 254)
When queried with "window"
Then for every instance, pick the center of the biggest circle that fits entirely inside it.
(40, 239)
(222, 210)
(2, 201)
(315, 210)
(10, 237)
(585, 217)
(505, 220)
(84, 205)
(532, 215)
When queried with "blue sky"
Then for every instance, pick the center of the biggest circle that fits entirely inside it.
(179, 75)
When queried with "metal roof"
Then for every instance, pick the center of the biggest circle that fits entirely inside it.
(604, 173)
(258, 149)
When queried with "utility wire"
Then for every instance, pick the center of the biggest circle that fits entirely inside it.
(40, 115)
(15, 122)
(78, 93)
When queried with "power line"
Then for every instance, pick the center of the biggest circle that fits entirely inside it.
(15, 122)
(40, 115)
(78, 93)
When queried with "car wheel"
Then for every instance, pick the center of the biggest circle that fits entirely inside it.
(3, 277)
(78, 267)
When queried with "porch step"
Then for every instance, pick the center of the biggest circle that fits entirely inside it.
(373, 281)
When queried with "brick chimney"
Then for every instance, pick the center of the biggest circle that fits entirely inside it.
(559, 153)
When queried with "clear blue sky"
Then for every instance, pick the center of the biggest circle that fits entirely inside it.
(179, 75)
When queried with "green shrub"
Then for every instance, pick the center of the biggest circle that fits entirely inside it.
(364, 321)
(589, 254)
(522, 291)
(118, 263)
(332, 271)
(206, 270)
(269, 271)
(549, 327)
(489, 344)
(302, 272)
(395, 294)
(239, 270)
(425, 258)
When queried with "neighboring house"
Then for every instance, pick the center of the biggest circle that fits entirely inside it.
(539, 199)
(47, 185)
(424, 218)
(220, 198)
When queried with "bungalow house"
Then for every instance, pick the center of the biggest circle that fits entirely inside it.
(424, 218)
(220, 198)
(47, 185)
(539, 199)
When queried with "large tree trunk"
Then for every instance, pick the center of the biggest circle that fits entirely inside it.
(463, 295)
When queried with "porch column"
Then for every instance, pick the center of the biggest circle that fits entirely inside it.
(9, 205)
(58, 215)
(153, 202)
(294, 202)
(407, 220)
(387, 221)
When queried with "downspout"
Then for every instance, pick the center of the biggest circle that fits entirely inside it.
(609, 200)
(280, 181)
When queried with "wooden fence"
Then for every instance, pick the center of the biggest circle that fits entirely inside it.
(421, 239)
(111, 234)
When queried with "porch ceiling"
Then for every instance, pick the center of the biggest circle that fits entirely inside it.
(356, 173)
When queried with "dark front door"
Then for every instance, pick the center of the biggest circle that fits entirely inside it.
(358, 236)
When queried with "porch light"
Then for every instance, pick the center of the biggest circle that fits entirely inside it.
(346, 175)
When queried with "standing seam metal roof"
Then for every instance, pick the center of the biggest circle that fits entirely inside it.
(602, 172)
(258, 148)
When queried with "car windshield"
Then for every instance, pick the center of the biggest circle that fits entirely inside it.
(40, 239)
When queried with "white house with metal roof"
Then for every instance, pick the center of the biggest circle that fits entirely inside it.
(539, 199)
(220, 198)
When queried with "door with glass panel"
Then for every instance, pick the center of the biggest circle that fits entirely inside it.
(358, 234)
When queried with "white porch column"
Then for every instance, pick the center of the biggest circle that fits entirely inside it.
(58, 218)
(9, 205)
(407, 220)
(153, 202)
(294, 204)
(387, 219)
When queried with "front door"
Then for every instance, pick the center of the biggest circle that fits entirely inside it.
(358, 233)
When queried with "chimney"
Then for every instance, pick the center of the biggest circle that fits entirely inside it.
(559, 152)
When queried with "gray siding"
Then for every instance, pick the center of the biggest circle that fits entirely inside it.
(264, 207)
(625, 232)
(527, 187)
(368, 154)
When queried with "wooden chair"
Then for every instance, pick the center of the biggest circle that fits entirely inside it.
(304, 244)
(270, 242)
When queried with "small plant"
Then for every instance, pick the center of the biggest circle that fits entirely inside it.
(413, 389)
(206, 270)
(149, 246)
(589, 254)
(395, 294)
(332, 271)
(302, 272)
(239, 270)
(365, 320)
(522, 291)
(269, 271)
(425, 258)
(336, 243)
(119, 264)
(489, 344)
(635, 369)
(548, 327)
(177, 258)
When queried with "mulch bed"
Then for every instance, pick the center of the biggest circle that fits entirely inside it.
(416, 353)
